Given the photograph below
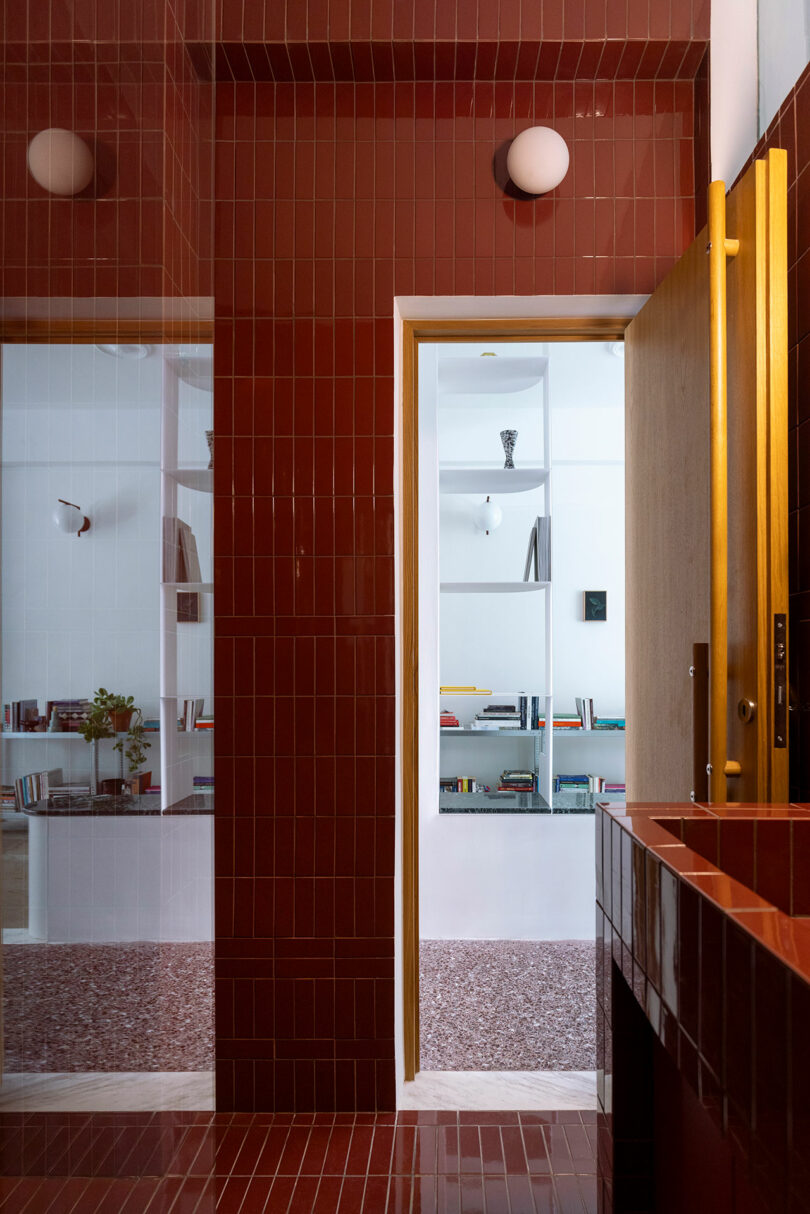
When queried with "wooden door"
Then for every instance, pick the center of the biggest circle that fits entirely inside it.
(706, 564)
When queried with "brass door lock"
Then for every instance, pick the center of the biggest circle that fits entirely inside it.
(746, 711)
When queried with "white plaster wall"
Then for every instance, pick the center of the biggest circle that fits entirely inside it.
(104, 879)
(487, 877)
(733, 87)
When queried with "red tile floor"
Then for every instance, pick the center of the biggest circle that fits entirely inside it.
(196, 1163)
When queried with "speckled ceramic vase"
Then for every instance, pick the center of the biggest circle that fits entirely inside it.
(509, 438)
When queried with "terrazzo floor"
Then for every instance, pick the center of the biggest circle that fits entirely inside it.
(507, 1005)
(108, 1007)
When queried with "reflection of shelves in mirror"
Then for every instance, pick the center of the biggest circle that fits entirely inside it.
(585, 801)
(189, 587)
(493, 803)
(59, 736)
(490, 480)
(460, 731)
(492, 587)
(587, 733)
(201, 479)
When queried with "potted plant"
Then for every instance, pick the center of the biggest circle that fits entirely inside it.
(113, 714)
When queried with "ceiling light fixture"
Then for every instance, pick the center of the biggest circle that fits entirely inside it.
(537, 160)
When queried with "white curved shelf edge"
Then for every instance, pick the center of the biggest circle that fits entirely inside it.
(201, 479)
(189, 587)
(491, 480)
(492, 587)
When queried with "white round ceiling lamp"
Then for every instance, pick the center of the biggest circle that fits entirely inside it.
(60, 161)
(537, 160)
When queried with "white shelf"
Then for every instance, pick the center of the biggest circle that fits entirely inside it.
(201, 479)
(466, 375)
(492, 587)
(59, 736)
(491, 480)
(189, 587)
(466, 732)
(587, 733)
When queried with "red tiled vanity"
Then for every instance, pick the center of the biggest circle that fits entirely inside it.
(703, 986)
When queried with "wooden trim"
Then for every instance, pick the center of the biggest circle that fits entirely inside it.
(532, 328)
(409, 709)
(778, 433)
(43, 330)
(718, 599)
(551, 328)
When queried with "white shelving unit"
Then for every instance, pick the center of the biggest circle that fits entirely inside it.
(179, 757)
(494, 376)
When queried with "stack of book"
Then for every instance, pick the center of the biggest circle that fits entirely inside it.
(562, 720)
(205, 721)
(585, 710)
(498, 716)
(517, 781)
(582, 783)
(19, 713)
(448, 719)
(609, 723)
(8, 796)
(151, 725)
(204, 783)
(69, 714)
(62, 796)
(192, 709)
(459, 784)
(609, 787)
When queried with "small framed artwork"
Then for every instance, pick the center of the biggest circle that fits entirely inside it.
(594, 605)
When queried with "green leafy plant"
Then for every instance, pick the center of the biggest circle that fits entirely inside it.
(112, 714)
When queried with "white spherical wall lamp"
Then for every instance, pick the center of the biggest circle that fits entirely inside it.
(60, 161)
(487, 516)
(537, 160)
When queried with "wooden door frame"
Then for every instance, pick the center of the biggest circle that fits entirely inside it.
(414, 332)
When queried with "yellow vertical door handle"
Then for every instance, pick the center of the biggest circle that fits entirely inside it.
(720, 249)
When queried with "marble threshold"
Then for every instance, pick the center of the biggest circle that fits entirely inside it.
(524, 1091)
(107, 1091)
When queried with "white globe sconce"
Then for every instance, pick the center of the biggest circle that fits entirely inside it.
(69, 519)
(60, 161)
(537, 160)
(487, 516)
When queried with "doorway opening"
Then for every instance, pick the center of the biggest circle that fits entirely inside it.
(518, 626)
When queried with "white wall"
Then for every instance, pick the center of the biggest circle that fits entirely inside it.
(733, 86)
(513, 876)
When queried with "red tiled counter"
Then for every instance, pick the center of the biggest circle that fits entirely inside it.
(703, 987)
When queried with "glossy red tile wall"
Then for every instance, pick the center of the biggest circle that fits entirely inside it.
(331, 200)
(497, 20)
(117, 74)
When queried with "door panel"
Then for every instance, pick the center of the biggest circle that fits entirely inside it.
(669, 500)
(667, 524)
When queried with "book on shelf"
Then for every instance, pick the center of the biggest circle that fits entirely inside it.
(139, 783)
(17, 714)
(534, 713)
(70, 714)
(151, 725)
(609, 787)
(538, 555)
(191, 710)
(518, 781)
(181, 562)
(523, 709)
(36, 787)
(459, 784)
(204, 722)
(8, 796)
(62, 796)
(201, 782)
(609, 723)
(585, 710)
(584, 782)
(448, 720)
